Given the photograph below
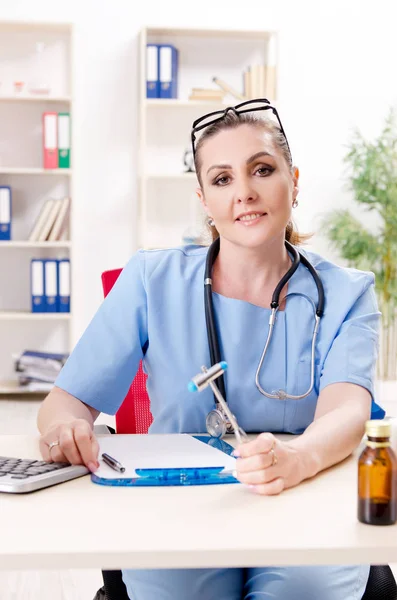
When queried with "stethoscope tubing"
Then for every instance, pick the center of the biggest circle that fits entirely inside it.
(212, 335)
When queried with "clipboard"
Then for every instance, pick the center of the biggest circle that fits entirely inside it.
(180, 476)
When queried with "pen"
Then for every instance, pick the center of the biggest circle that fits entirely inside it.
(112, 462)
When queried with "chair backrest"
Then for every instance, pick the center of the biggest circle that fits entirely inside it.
(134, 414)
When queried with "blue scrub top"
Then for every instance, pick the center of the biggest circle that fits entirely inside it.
(155, 312)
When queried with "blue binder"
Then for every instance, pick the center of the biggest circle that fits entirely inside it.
(38, 304)
(5, 213)
(178, 477)
(51, 285)
(64, 285)
(152, 71)
(168, 67)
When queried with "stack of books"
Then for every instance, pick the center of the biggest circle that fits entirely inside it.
(260, 82)
(207, 94)
(37, 371)
(52, 221)
(260, 79)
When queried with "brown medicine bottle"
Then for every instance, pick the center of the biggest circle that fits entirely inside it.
(377, 476)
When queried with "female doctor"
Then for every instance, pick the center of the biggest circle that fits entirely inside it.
(155, 312)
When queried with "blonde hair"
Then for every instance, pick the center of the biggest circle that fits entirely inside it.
(230, 121)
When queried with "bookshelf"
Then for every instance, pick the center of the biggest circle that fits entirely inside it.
(34, 171)
(48, 99)
(57, 244)
(31, 51)
(168, 207)
(20, 315)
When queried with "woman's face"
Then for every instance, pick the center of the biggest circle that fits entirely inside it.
(247, 186)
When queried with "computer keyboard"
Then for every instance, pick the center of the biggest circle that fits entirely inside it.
(19, 475)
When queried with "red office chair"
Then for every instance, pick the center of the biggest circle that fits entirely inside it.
(134, 414)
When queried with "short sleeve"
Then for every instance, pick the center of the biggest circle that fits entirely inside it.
(353, 353)
(105, 360)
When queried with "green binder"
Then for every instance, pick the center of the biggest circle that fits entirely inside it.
(64, 140)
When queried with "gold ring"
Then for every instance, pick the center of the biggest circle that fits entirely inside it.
(274, 457)
(50, 446)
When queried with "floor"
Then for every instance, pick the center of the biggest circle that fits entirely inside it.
(19, 417)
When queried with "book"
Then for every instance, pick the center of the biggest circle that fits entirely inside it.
(208, 92)
(271, 68)
(49, 222)
(41, 219)
(52, 360)
(61, 220)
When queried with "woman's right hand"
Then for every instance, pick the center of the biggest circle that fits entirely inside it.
(76, 444)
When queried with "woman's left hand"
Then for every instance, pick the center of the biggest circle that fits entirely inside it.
(267, 465)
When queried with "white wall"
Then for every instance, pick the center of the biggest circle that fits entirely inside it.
(337, 70)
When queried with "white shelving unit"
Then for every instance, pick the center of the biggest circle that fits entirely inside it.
(21, 168)
(168, 206)
(20, 315)
(58, 244)
(30, 98)
(34, 171)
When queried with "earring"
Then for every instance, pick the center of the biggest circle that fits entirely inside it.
(295, 203)
(210, 222)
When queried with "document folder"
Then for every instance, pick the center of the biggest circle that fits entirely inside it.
(5, 213)
(152, 71)
(51, 285)
(168, 68)
(217, 464)
(37, 286)
(50, 140)
(64, 285)
(64, 140)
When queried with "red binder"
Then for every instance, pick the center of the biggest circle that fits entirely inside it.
(50, 140)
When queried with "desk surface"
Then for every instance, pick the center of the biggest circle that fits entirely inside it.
(82, 525)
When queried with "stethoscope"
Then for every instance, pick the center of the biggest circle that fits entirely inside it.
(217, 422)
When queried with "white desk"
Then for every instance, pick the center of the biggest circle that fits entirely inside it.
(81, 525)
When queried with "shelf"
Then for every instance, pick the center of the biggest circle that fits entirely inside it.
(20, 315)
(12, 387)
(33, 171)
(168, 103)
(167, 177)
(43, 98)
(24, 244)
(209, 33)
(36, 26)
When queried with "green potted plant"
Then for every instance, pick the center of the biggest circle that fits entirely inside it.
(372, 168)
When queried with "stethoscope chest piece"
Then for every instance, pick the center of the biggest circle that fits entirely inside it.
(218, 424)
